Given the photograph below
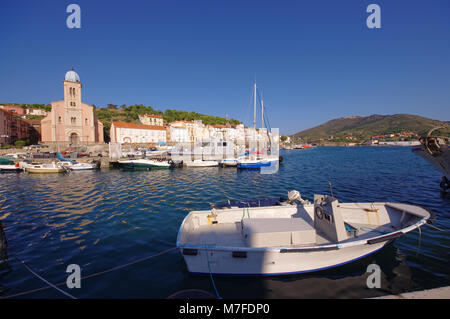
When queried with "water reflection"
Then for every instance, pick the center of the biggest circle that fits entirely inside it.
(101, 219)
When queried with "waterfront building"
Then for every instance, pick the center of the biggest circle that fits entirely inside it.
(122, 132)
(150, 119)
(184, 131)
(71, 121)
(14, 128)
(178, 132)
(5, 127)
(40, 112)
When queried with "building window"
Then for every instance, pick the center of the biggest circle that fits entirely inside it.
(86, 121)
(59, 119)
(73, 120)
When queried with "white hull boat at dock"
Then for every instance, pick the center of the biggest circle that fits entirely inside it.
(289, 238)
(229, 162)
(42, 168)
(201, 163)
(7, 165)
(78, 166)
(144, 164)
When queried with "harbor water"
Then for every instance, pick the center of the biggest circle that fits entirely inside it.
(106, 218)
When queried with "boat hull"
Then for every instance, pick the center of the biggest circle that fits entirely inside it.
(256, 164)
(135, 166)
(44, 170)
(202, 164)
(143, 164)
(10, 168)
(273, 262)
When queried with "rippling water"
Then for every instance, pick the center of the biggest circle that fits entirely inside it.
(102, 219)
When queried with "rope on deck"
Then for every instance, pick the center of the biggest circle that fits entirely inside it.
(50, 285)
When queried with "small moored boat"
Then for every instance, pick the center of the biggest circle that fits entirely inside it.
(201, 163)
(257, 163)
(74, 165)
(284, 237)
(43, 168)
(78, 166)
(231, 162)
(146, 164)
(7, 165)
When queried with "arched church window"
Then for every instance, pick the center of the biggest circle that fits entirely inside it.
(59, 119)
(86, 121)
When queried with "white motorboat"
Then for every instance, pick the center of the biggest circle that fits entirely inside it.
(143, 163)
(201, 163)
(229, 162)
(42, 168)
(436, 150)
(287, 237)
(7, 165)
(77, 166)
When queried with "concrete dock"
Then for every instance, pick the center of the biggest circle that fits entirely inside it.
(437, 293)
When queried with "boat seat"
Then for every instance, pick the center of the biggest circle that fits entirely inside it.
(277, 232)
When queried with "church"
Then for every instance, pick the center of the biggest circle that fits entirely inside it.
(71, 121)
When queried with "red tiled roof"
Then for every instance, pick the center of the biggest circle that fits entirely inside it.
(138, 126)
(182, 121)
(152, 115)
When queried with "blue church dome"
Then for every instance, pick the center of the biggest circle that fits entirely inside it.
(72, 76)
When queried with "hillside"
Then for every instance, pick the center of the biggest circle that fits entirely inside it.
(364, 127)
(131, 114)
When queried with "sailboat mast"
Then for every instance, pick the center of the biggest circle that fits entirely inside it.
(254, 106)
(262, 113)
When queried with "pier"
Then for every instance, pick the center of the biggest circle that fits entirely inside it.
(436, 293)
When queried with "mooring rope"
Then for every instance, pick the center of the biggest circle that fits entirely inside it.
(211, 276)
(50, 285)
(88, 276)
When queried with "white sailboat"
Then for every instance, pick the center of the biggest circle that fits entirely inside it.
(253, 162)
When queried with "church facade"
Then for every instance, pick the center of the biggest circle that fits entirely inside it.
(71, 121)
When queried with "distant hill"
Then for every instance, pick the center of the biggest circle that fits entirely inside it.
(364, 127)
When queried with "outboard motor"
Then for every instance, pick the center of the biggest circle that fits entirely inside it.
(294, 195)
(97, 163)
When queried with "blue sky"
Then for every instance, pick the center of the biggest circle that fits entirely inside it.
(313, 60)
